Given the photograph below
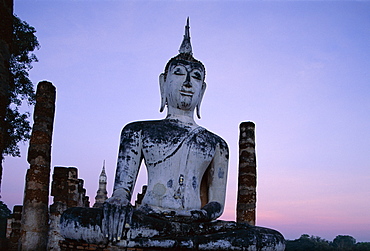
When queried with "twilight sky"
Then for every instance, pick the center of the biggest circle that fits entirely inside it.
(299, 69)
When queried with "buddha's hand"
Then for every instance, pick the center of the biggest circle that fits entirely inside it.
(209, 212)
(117, 213)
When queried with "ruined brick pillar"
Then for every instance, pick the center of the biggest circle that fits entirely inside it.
(68, 192)
(35, 217)
(14, 230)
(247, 180)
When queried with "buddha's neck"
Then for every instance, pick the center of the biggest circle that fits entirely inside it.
(185, 117)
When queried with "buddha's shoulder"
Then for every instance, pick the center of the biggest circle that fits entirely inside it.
(140, 125)
(169, 128)
(212, 137)
(155, 126)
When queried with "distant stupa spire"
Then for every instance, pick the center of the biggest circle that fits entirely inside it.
(186, 44)
(103, 170)
(101, 194)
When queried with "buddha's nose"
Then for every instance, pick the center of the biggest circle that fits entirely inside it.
(187, 84)
(187, 81)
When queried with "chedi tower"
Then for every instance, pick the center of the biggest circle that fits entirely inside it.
(101, 194)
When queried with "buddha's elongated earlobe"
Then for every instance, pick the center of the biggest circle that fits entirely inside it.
(163, 92)
(202, 91)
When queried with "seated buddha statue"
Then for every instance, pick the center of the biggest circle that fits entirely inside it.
(187, 168)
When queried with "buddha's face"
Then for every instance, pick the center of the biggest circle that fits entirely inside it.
(184, 84)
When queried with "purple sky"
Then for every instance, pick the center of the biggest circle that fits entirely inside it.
(298, 69)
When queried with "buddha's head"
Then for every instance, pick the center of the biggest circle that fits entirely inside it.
(182, 83)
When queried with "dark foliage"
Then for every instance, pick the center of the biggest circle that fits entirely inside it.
(315, 243)
(362, 246)
(4, 210)
(17, 127)
(344, 242)
(4, 214)
(306, 242)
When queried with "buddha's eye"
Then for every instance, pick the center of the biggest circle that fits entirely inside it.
(197, 75)
(178, 71)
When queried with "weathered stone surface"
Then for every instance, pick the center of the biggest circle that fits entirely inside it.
(87, 222)
(247, 181)
(35, 216)
(147, 231)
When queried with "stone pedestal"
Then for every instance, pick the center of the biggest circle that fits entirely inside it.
(148, 232)
(69, 246)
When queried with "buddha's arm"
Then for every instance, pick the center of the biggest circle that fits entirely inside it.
(117, 210)
(128, 163)
(217, 180)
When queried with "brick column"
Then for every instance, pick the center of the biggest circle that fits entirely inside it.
(14, 230)
(247, 180)
(68, 192)
(35, 217)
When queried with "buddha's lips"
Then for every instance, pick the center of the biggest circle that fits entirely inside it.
(186, 93)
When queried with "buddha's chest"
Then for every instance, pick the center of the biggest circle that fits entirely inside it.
(178, 150)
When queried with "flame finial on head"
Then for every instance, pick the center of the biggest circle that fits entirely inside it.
(185, 51)
(186, 45)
